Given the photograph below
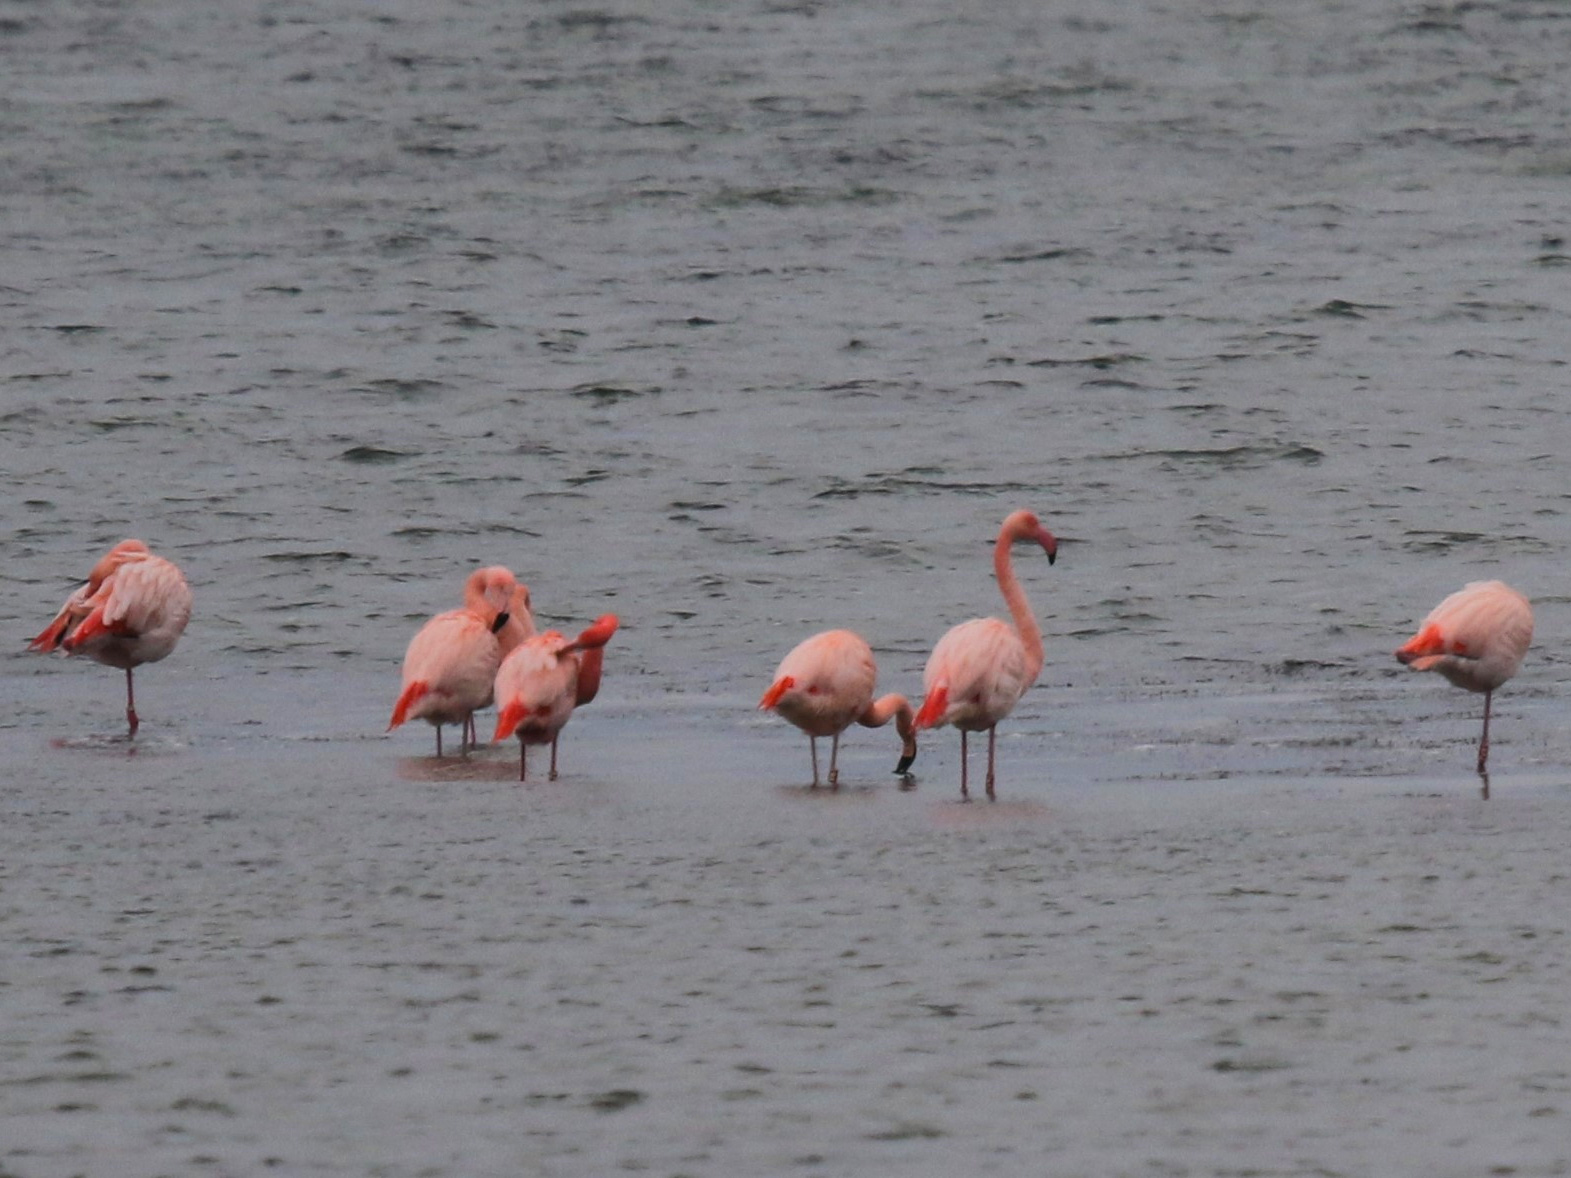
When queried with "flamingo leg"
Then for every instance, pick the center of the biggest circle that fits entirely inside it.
(834, 756)
(1483, 742)
(553, 760)
(523, 761)
(812, 744)
(130, 706)
(992, 737)
(471, 737)
(439, 741)
(964, 792)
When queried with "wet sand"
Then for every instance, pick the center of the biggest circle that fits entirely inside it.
(309, 950)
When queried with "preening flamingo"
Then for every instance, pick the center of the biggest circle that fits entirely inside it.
(980, 669)
(542, 681)
(132, 610)
(519, 626)
(825, 684)
(451, 662)
(1476, 638)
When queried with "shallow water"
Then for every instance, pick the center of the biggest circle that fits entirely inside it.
(745, 323)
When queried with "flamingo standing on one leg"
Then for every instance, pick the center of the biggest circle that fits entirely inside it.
(980, 669)
(1476, 638)
(825, 684)
(452, 660)
(132, 610)
(542, 681)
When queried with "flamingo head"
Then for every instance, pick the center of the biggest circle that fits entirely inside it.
(489, 592)
(1023, 525)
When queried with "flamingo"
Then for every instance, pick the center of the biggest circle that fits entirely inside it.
(1476, 638)
(519, 626)
(542, 681)
(452, 660)
(132, 610)
(825, 684)
(980, 669)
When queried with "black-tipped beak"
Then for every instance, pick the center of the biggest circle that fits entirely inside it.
(1052, 557)
(903, 767)
(501, 620)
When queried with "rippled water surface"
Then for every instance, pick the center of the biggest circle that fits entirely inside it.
(746, 321)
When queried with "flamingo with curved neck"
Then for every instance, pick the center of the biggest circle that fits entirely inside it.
(825, 685)
(980, 669)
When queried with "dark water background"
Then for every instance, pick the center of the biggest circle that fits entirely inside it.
(745, 321)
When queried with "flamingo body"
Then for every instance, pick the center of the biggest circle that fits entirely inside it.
(131, 611)
(980, 669)
(825, 684)
(976, 675)
(1476, 638)
(451, 662)
(537, 687)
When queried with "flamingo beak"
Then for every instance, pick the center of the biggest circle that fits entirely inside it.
(1049, 544)
(501, 620)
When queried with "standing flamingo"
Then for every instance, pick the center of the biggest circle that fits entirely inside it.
(1476, 638)
(519, 626)
(825, 684)
(132, 610)
(980, 669)
(452, 660)
(542, 681)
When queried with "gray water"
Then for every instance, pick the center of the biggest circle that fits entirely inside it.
(746, 321)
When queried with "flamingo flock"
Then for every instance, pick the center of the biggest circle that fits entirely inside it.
(134, 607)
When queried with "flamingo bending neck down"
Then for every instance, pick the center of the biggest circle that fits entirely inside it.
(451, 662)
(543, 680)
(825, 685)
(131, 611)
(980, 669)
(1476, 638)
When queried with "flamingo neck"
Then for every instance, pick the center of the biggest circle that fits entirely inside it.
(1019, 607)
(886, 708)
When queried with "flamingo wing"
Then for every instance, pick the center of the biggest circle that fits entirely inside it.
(824, 683)
(1476, 638)
(449, 669)
(975, 676)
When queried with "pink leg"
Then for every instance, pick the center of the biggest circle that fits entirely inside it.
(812, 744)
(130, 706)
(992, 735)
(964, 792)
(1483, 743)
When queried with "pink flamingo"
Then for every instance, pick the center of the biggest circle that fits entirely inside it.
(452, 660)
(132, 610)
(1476, 638)
(980, 669)
(520, 625)
(542, 681)
(825, 684)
